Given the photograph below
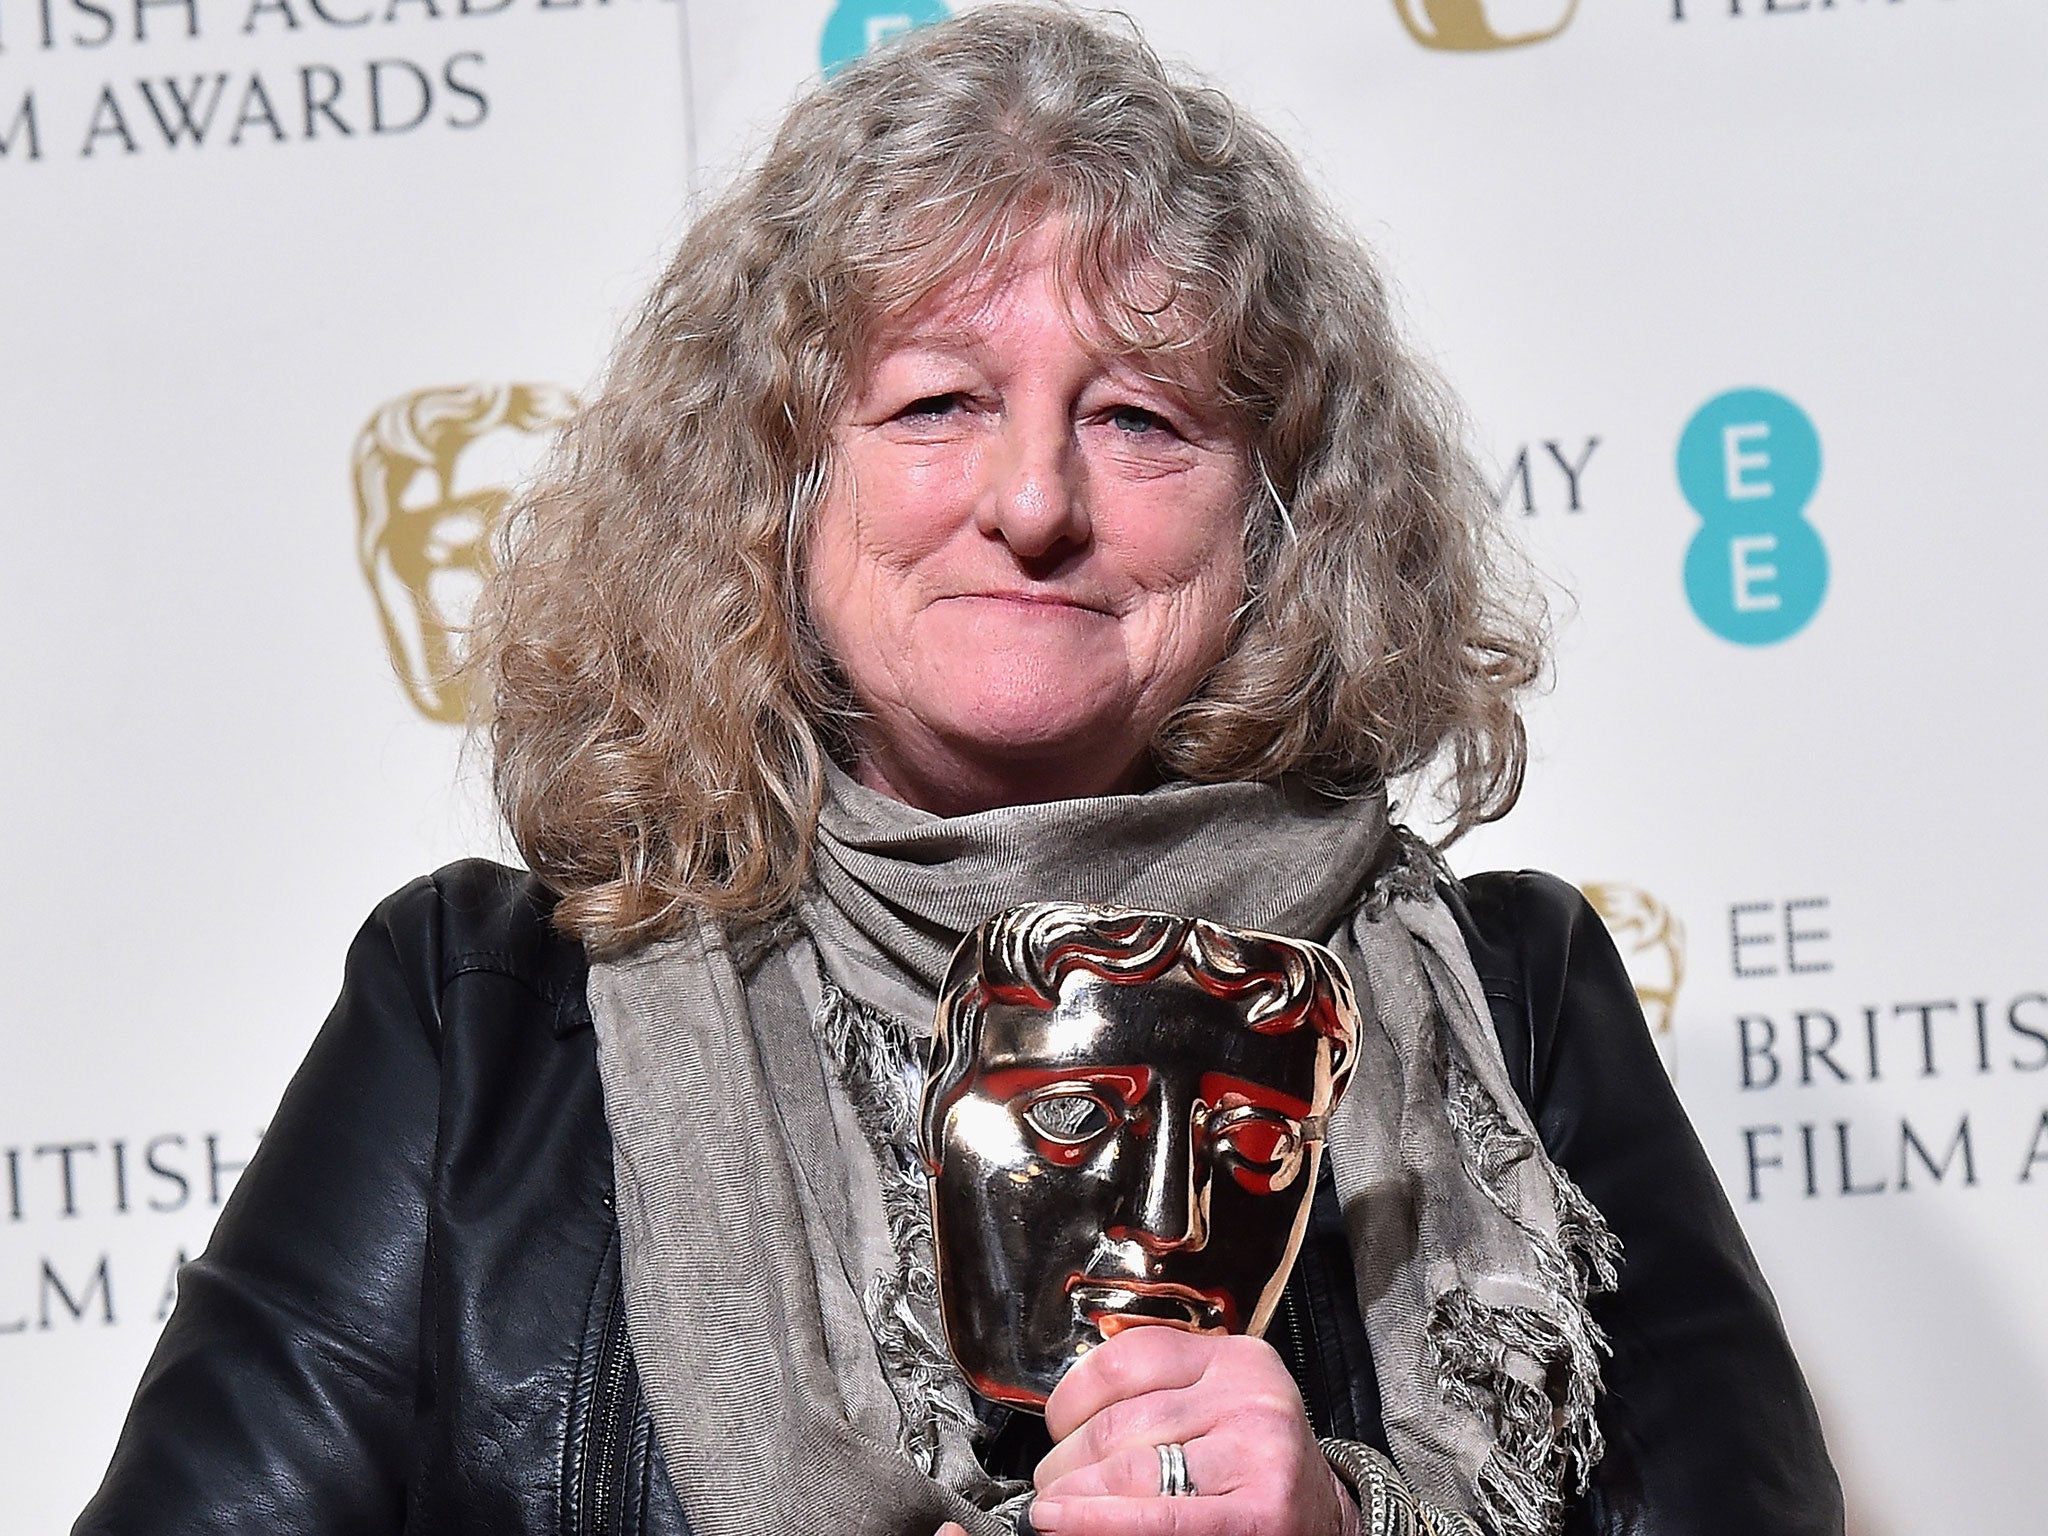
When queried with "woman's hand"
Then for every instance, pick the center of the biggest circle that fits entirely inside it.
(1232, 1407)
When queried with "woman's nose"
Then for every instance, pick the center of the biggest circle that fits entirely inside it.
(1034, 500)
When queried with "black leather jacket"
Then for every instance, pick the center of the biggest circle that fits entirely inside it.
(410, 1319)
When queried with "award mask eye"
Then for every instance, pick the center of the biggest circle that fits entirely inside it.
(1262, 1149)
(1069, 1116)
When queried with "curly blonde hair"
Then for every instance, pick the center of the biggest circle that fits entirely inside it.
(659, 707)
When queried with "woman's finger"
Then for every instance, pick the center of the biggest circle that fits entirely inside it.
(1234, 1387)
(1138, 1424)
(1139, 1517)
(1136, 1361)
(1279, 1508)
(1135, 1470)
(1230, 1406)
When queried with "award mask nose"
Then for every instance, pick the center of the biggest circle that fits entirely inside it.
(1170, 1206)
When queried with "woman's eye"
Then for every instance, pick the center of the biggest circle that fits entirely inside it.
(1069, 1117)
(1136, 420)
(929, 406)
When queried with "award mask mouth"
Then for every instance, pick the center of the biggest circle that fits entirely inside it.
(1112, 1305)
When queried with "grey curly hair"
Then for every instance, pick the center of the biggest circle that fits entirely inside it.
(659, 706)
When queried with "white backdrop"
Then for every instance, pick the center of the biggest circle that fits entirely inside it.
(1801, 781)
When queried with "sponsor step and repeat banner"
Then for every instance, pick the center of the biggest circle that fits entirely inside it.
(1741, 295)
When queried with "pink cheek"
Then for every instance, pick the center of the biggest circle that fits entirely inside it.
(1253, 1183)
(925, 494)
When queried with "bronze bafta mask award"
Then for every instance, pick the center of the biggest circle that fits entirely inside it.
(1123, 1122)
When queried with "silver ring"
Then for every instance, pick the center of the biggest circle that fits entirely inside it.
(1174, 1482)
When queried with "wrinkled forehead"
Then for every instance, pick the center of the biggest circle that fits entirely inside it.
(1121, 304)
(1170, 1025)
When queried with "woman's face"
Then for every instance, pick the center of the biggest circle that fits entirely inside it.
(1030, 552)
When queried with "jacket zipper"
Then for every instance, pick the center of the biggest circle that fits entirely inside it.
(1304, 1347)
(604, 1433)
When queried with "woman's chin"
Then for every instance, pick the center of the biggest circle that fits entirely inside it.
(1033, 706)
(989, 752)
(1038, 729)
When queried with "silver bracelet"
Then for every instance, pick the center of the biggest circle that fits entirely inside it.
(1387, 1506)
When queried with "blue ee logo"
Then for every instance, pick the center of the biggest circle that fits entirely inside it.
(855, 26)
(1749, 461)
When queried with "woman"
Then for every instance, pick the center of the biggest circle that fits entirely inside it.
(1013, 491)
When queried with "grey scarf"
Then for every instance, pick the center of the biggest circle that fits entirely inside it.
(787, 1342)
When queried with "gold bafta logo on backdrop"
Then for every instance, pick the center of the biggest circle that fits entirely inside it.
(433, 472)
(1478, 26)
(1652, 944)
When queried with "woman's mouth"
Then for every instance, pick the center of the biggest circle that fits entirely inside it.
(1050, 602)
